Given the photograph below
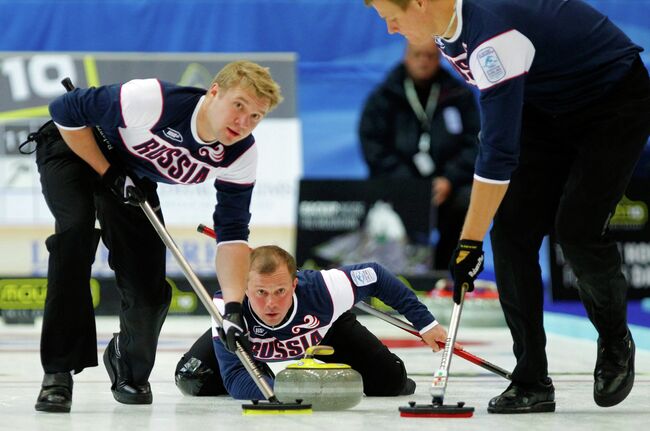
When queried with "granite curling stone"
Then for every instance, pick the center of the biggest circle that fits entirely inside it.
(324, 386)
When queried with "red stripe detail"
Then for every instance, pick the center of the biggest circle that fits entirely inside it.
(403, 343)
(410, 342)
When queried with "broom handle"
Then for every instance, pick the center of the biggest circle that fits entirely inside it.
(441, 377)
(205, 298)
(411, 329)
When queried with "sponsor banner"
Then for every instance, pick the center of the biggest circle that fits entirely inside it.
(29, 294)
(630, 228)
(24, 253)
(22, 299)
(30, 80)
(355, 221)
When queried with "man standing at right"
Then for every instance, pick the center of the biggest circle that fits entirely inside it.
(565, 114)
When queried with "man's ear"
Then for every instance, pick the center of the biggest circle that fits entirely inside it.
(214, 90)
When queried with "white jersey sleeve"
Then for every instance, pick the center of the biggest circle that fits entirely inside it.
(141, 102)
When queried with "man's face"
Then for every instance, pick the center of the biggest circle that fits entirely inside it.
(271, 295)
(423, 61)
(231, 115)
(414, 23)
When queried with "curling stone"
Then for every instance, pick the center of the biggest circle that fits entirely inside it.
(324, 386)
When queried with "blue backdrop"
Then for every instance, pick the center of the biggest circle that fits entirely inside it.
(343, 49)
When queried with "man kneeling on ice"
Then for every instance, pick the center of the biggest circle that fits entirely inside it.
(287, 311)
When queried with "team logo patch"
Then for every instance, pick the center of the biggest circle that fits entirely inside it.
(491, 65)
(258, 330)
(173, 134)
(363, 277)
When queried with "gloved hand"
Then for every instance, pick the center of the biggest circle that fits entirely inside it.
(466, 264)
(122, 186)
(234, 328)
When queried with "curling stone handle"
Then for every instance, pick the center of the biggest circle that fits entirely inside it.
(318, 350)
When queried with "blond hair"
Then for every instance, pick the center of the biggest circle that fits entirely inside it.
(403, 4)
(246, 74)
(268, 258)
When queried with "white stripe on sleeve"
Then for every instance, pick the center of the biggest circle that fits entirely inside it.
(429, 326)
(490, 181)
(69, 128)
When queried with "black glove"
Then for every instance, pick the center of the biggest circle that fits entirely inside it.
(234, 328)
(466, 264)
(122, 186)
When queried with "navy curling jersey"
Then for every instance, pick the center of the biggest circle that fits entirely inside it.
(556, 55)
(152, 127)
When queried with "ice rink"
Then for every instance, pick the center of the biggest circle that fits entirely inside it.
(571, 360)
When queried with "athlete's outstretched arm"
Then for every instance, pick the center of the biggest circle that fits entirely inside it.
(484, 202)
(232, 264)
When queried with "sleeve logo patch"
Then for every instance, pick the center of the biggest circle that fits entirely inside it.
(491, 65)
(363, 277)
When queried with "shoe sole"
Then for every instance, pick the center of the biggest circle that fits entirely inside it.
(121, 397)
(612, 400)
(52, 407)
(131, 399)
(543, 407)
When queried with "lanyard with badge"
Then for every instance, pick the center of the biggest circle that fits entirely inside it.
(422, 159)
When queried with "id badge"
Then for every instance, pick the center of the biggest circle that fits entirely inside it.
(424, 163)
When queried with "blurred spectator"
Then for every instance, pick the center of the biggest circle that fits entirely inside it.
(422, 123)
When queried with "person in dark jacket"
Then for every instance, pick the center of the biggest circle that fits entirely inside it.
(420, 122)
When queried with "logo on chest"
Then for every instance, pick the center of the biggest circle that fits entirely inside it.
(173, 134)
(311, 322)
(215, 154)
(258, 330)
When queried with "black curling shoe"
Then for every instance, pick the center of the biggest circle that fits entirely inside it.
(517, 398)
(123, 390)
(614, 373)
(56, 393)
(409, 387)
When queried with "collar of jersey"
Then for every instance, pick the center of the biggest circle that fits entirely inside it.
(285, 321)
(195, 131)
(459, 26)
